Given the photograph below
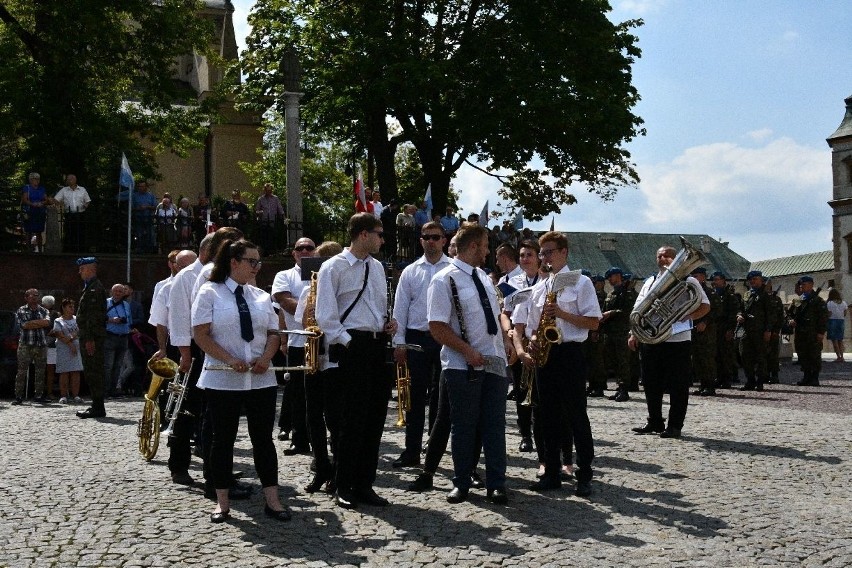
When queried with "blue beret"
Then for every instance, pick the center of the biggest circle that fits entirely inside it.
(628, 276)
(754, 273)
(86, 260)
(699, 270)
(719, 274)
(598, 278)
(585, 272)
(806, 279)
(613, 270)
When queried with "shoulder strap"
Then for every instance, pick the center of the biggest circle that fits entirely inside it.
(358, 297)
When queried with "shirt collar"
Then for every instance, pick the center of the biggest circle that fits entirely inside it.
(462, 265)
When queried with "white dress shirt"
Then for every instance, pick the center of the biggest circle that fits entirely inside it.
(216, 304)
(579, 299)
(511, 274)
(180, 304)
(202, 278)
(441, 308)
(340, 279)
(160, 306)
(159, 285)
(291, 281)
(686, 334)
(409, 307)
(73, 200)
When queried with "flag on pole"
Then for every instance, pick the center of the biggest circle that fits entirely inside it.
(552, 221)
(518, 221)
(360, 194)
(483, 215)
(428, 200)
(125, 178)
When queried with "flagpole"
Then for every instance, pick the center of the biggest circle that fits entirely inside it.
(129, 221)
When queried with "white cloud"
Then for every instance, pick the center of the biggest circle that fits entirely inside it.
(241, 27)
(639, 8)
(759, 135)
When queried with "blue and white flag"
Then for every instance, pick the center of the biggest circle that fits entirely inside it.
(428, 200)
(483, 216)
(518, 221)
(125, 179)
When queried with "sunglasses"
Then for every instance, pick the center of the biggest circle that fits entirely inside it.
(431, 237)
(303, 248)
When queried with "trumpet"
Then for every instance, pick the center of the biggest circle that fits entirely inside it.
(177, 393)
(403, 389)
(148, 429)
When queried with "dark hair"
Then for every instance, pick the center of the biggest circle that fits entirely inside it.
(434, 225)
(222, 234)
(66, 302)
(530, 244)
(228, 251)
(362, 222)
(468, 234)
(508, 251)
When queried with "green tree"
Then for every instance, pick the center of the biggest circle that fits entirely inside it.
(84, 80)
(507, 83)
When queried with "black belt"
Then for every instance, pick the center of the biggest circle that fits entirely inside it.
(367, 334)
(118, 334)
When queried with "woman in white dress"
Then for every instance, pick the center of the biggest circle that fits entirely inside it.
(69, 363)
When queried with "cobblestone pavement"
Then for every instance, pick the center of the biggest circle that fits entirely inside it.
(757, 479)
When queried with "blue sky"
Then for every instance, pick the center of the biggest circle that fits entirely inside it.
(738, 99)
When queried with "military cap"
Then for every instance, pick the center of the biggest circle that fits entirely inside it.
(719, 274)
(585, 272)
(628, 276)
(86, 260)
(598, 278)
(804, 279)
(700, 270)
(754, 273)
(613, 270)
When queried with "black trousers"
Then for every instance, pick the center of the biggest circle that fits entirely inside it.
(294, 400)
(189, 418)
(225, 409)
(525, 413)
(365, 388)
(562, 397)
(323, 413)
(425, 371)
(667, 366)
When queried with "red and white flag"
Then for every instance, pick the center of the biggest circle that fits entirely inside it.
(360, 194)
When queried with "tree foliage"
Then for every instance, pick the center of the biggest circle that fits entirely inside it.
(70, 69)
(509, 83)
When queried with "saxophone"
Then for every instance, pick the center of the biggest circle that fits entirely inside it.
(547, 333)
(312, 342)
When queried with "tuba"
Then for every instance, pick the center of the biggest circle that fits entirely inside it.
(312, 344)
(669, 298)
(148, 429)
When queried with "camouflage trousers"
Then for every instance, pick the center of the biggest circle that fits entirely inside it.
(28, 354)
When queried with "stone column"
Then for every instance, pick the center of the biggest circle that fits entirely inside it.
(294, 167)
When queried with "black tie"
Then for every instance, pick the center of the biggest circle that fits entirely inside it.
(245, 315)
(486, 304)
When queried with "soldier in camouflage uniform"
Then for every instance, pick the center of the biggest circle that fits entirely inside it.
(91, 319)
(809, 318)
(594, 347)
(616, 327)
(756, 322)
(726, 322)
(635, 368)
(704, 339)
(773, 352)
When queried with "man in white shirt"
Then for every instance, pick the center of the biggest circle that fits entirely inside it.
(286, 289)
(352, 312)
(667, 366)
(507, 261)
(561, 379)
(409, 311)
(74, 199)
(463, 313)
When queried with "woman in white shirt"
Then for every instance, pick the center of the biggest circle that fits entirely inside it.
(235, 325)
(837, 309)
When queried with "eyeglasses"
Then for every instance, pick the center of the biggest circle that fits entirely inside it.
(303, 248)
(545, 253)
(253, 262)
(431, 237)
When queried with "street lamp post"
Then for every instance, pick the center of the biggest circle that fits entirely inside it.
(291, 71)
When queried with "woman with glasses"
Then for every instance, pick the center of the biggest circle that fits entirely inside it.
(236, 326)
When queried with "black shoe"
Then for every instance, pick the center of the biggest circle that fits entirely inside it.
(699, 392)
(345, 499)
(546, 483)
(709, 392)
(670, 433)
(584, 489)
(621, 396)
(748, 387)
(457, 495)
(595, 393)
(369, 497)
(294, 450)
(511, 395)
(183, 478)
(220, 517)
(282, 515)
(318, 481)
(649, 428)
(497, 496)
(406, 460)
(91, 412)
(526, 444)
(476, 481)
(422, 482)
(18, 401)
(41, 400)
(804, 383)
(237, 492)
(282, 435)
(758, 387)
